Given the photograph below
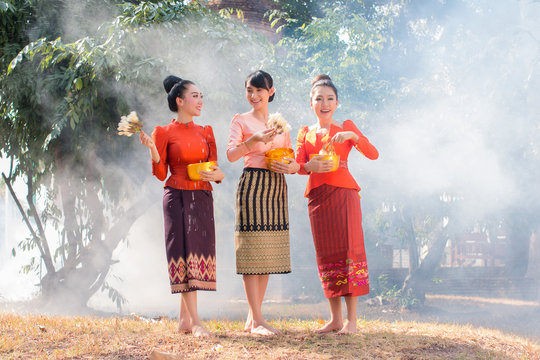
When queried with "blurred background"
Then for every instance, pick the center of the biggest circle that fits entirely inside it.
(448, 91)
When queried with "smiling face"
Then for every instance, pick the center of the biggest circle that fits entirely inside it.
(324, 102)
(192, 101)
(258, 97)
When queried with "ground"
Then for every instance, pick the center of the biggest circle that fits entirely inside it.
(448, 328)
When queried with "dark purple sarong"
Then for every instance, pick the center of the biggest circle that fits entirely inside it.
(190, 239)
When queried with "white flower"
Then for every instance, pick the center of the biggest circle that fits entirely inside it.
(277, 122)
(130, 124)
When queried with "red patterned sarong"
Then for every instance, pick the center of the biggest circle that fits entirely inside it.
(336, 225)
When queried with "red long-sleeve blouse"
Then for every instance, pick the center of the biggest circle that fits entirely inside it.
(178, 146)
(310, 142)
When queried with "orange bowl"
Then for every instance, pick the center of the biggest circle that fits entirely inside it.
(194, 170)
(278, 154)
(334, 158)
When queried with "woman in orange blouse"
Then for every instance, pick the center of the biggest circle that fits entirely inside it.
(334, 205)
(187, 205)
(262, 221)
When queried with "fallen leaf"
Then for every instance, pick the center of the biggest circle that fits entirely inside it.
(158, 355)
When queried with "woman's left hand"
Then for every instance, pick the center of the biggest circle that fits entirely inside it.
(215, 175)
(285, 168)
(343, 136)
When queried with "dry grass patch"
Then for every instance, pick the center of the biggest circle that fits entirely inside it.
(55, 337)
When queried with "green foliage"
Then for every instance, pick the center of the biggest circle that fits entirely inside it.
(344, 45)
(115, 296)
(294, 15)
(391, 293)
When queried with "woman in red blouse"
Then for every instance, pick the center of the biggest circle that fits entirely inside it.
(187, 205)
(334, 205)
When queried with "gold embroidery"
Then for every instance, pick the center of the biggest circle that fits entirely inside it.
(311, 137)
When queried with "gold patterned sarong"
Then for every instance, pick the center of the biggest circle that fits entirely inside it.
(262, 223)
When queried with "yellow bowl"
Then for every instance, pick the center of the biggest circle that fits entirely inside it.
(194, 170)
(278, 154)
(334, 158)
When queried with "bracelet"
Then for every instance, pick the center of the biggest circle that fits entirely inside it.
(246, 145)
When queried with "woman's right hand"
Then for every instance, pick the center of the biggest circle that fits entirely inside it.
(146, 140)
(213, 175)
(264, 135)
(318, 165)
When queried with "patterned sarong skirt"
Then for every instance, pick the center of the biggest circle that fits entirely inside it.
(262, 223)
(190, 239)
(336, 225)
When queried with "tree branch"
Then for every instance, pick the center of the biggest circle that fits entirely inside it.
(47, 258)
(35, 237)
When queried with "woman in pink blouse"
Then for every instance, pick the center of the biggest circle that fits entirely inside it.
(262, 220)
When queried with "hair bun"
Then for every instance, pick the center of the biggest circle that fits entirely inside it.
(320, 77)
(170, 81)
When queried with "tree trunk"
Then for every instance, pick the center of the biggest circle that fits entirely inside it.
(533, 269)
(74, 284)
(519, 235)
(417, 283)
(411, 239)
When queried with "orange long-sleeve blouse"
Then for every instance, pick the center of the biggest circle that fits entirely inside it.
(178, 146)
(310, 142)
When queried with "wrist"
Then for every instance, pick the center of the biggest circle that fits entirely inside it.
(245, 143)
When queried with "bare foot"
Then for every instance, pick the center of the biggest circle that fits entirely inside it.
(264, 324)
(199, 331)
(261, 330)
(349, 327)
(249, 323)
(272, 329)
(184, 327)
(329, 327)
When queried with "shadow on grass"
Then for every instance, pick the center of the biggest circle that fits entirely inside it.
(372, 345)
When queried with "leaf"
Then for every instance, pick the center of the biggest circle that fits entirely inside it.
(14, 62)
(78, 84)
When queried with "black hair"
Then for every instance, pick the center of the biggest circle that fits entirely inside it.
(323, 80)
(175, 88)
(262, 80)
